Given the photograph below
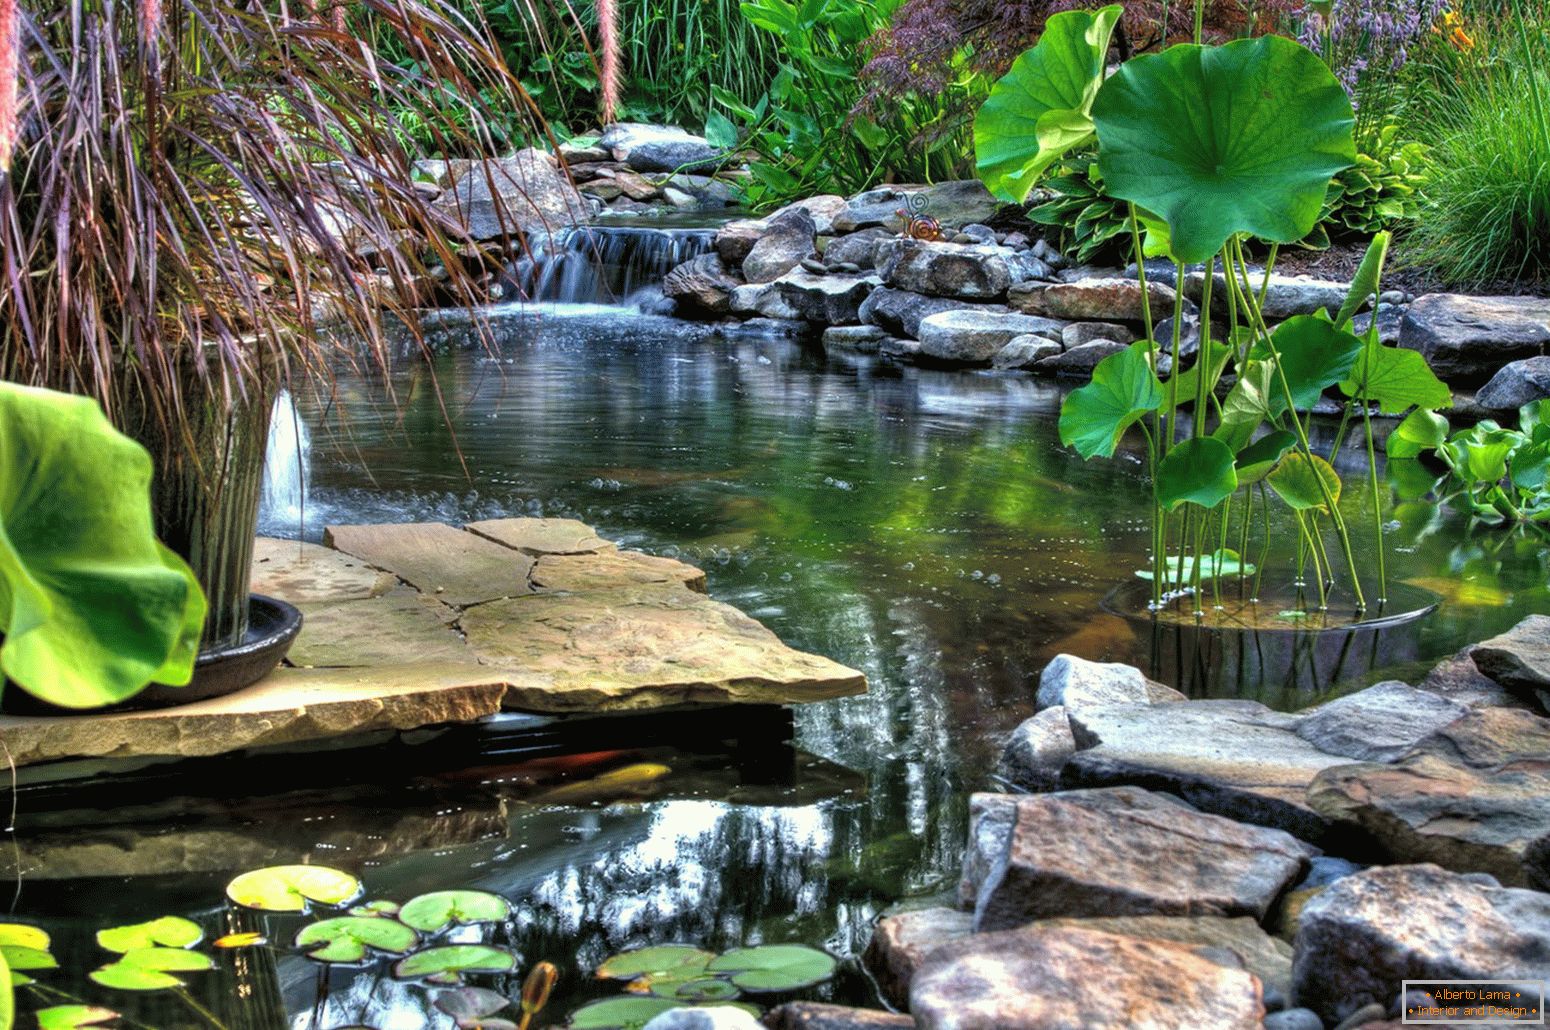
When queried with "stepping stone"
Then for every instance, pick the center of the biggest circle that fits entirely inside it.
(539, 537)
(300, 573)
(643, 647)
(612, 570)
(1520, 658)
(398, 628)
(458, 568)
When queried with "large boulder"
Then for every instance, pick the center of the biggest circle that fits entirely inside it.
(826, 299)
(658, 148)
(971, 271)
(975, 337)
(787, 241)
(764, 300)
(1467, 340)
(1518, 383)
(1092, 300)
(1037, 750)
(702, 285)
(1377, 724)
(1047, 977)
(813, 1015)
(1286, 296)
(1128, 851)
(1078, 333)
(525, 194)
(953, 204)
(823, 209)
(901, 312)
(900, 943)
(1078, 362)
(1472, 797)
(1364, 935)
(859, 249)
(735, 239)
(1078, 683)
(1520, 658)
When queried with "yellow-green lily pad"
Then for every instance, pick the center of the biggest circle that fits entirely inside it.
(348, 938)
(291, 888)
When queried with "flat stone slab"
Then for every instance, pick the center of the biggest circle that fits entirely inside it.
(458, 568)
(610, 570)
(539, 537)
(301, 573)
(401, 627)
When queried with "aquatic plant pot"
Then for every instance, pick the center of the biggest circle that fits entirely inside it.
(1280, 649)
(272, 626)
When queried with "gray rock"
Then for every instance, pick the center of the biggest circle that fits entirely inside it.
(1363, 936)
(708, 1018)
(1518, 383)
(703, 284)
(1294, 1019)
(1467, 339)
(1128, 851)
(676, 155)
(812, 1015)
(524, 194)
(901, 312)
(787, 240)
(823, 209)
(1078, 684)
(1520, 658)
(1078, 333)
(765, 300)
(991, 818)
(1391, 318)
(859, 248)
(974, 337)
(1362, 1017)
(953, 204)
(1459, 679)
(679, 199)
(902, 350)
(979, 234)
(1037, 749)
(1024, 352)
(1377, 724)
(735, 239)
(1052, 976)
(1092, 300)
(900, 943)
(1287, 296)
(854, 339)
(1078, 362)
(814, 266)
(832, 299)
(964, 272)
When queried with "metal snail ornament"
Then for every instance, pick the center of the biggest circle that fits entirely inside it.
(917, 224)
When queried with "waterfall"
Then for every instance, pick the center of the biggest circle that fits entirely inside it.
(621, 265)
(285, 465)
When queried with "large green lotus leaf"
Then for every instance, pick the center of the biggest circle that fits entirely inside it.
(775, 967)
(446, 964)
(1123, 389)
(1314, 356)
(1396, 379)
(1041, 108)
(1241, 138)
(1421, 432)
(168, 932)
(1257, 459)
(1198, 471)
(290, 888)
(348, 938)
(92, 607)
(431, 913)
(1296, 481)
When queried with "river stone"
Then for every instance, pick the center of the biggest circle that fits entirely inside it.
(1237, 759)
(764, 300)
(786, 241)
(1518, 383)
(901, 312)
(813, 1015)
(523, 194)
(1045, 977)
(822, 209)
(735, 239)
(1078, 333)
(1287, 296)
(953, 204)
(611, 569)
(1367, 933)
(832, 299)
(960, 271)
(1037, 750)
(975, 337)
(657, 148)
(1024, 352)
(991, 818)
(710, 1017)
(1520, 658)
(301, 573)
(858, 248)
(702, 284)
(455, 567)
(400, 627)
(1391, 320)
(900, 943)
(1091, 300)
(1294, 1019)
(899, 350)
(643, 647)
(1377, 724)
(539, 537)
(853, 339)
(1128, 851)
(1459, 679)
(1078, 683)
(1472, 797)
(1467, 339)
(1078, 362)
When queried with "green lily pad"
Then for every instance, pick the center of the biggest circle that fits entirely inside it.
(679, 960)
(1241, 138)
(702, 989)
(620, 1013)
(431, 913)
(447, 963)
(72, 1017)
(1123, 390)
(20, 958)
(775, 967)
(349, 938)
(1296, 481)
(24, 936)
(93, 608)
(1198, 471)
(124, 976)
(289, 888)
(375, 908)
(7, 997)
(167, 932)
(1225, 562)
(168, 960)
(1042, 108)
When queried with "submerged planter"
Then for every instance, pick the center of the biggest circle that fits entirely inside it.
(1278, 650)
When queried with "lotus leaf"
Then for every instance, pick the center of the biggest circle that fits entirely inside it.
(431, 913)
(775, 967)
(1314, 355)
(1123, 390)
(620, 1013)
(1198, 471)
(1396, 379)
(1256, 460)
(348, 938)
(1368, 280)
(289, 888)
(1296, 481)
(446, 964)
(168, 932)
(72, 1017)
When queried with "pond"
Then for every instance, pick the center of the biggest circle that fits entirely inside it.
(923, 526)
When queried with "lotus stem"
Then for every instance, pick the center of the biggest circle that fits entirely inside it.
(1377, 502)
(1159, 526)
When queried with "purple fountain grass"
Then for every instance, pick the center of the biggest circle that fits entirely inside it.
(10, 46)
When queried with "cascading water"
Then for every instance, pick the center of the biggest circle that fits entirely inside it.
(285, 466)
(615, 265)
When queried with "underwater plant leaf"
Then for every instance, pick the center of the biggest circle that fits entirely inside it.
(1198, 471)
(775, 967)
(1421, 432)
(1256, 460)
(446, 963)
(351, 938)
(73, 1017)
(1041, 109)
(1123, 390)
(663, 960)
(431, 913)
(167, 932)
(1296, 481)
(1222, 140)
(290, 888)
(620, 1013)
(1314, 356)
(92, 607)
(1225, 562)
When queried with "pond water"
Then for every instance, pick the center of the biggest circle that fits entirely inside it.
(924, 527)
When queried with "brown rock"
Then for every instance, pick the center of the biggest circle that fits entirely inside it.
(1049, 977)
(611, 570)
(1460, 679)
(401, 627)
(900, 943)
(812, 1015)
(702, 284)
(543, 536)
(1037, 750)
(1090, 300)
(735, 239)
(1255, 950)
(300, 572)
(457, 568)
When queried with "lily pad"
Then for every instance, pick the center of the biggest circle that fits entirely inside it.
(124, 976)
(378, 907)
(240, 940)
(620, 1013)
(432, 913)
(681, 960)
(167, 932)
(703, 989)
(168, 960)
(24, 936)
(290, 888)
(446, 964)
(20, 958)
(1225, 562)
(72, 1017)
(775, 967)
(351, 938)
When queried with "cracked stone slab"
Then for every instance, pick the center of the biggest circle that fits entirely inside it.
(401, 627)
(301, 573)
(612, 570)
(643, 647)
(539, 537)
(458, 568)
